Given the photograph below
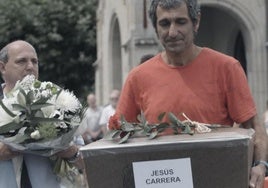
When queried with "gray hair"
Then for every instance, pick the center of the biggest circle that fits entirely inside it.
(4, 54)
(192, 5)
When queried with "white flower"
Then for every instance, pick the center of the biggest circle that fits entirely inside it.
(66, 101)
(5, 118)
(76, 120)
(21, 99)
(58, 114)
(45, 93)
(44, 85)
(35, 135)
(27, 82)
(63, 125)
(48, 111)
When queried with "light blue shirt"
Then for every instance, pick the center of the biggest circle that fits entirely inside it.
(7, 175)
(39, 170)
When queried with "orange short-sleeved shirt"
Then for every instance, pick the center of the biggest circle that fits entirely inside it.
(211, 89)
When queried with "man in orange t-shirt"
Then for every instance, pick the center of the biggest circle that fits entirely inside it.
(208, 86)
(212, 88)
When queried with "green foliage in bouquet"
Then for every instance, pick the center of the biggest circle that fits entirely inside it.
(142, 127)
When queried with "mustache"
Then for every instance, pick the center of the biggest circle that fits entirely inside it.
(172, 39)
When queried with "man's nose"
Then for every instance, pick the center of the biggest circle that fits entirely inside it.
(173, 31)
(30, 65)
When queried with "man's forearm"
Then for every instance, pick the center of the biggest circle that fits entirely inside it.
(260, 139)
(260, 144)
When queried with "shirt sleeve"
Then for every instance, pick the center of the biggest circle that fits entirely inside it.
(240, 102)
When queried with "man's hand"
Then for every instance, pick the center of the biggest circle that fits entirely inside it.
(257, 176)
(257, 173)
(72, 154)
(68, 153)
(6, 153)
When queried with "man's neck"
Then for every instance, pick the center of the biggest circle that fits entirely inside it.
(7, 88)
(183, 58)
(94, 107)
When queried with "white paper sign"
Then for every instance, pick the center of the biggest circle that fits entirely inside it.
(174, 173)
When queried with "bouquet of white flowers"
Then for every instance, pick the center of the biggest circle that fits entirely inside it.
(38, 117)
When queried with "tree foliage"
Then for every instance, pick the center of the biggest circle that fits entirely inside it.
(63, 33)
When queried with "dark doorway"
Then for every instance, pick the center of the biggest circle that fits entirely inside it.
(239, 51)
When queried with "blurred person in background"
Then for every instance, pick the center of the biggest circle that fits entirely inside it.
(109, 110)
(93, 130)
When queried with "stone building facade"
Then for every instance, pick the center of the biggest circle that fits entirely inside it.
(234, 27)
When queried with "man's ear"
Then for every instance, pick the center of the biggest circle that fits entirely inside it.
(2, 67)
(196, 26)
